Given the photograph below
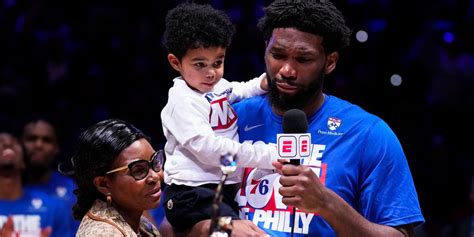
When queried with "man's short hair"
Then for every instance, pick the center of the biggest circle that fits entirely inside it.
(319, 17)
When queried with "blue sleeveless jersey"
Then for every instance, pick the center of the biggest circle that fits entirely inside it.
(354, 153)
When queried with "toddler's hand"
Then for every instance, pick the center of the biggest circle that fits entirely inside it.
(264, 82)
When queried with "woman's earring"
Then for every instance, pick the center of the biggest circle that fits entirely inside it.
(109, 199)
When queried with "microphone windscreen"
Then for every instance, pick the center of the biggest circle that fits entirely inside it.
(295, 121)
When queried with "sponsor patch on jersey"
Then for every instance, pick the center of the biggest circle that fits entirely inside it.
(334, 123)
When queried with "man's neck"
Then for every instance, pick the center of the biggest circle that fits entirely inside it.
(40, 177)
(314, 104)
(11, 187)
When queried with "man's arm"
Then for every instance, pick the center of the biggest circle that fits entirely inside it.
(301, 188)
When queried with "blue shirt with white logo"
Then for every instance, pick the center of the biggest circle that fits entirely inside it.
(34, 211)
(354, 153)
(62, 188)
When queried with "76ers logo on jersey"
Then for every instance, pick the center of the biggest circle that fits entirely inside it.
(222, 115)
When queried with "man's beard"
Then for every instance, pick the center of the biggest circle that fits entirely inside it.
(8, 169)
(37, 169)
(299, 100)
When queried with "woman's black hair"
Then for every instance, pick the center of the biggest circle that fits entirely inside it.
(95, 151)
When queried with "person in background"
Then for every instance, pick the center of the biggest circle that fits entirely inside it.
(26, 212)
(41, 145)
(118, 176)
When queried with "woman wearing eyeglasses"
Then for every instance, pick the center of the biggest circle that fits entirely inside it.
(118, 175)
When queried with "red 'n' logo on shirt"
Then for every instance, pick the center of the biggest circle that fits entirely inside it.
(222, 115)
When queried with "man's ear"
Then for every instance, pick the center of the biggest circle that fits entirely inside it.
(101, 183)
(331, 61)
(174, 62)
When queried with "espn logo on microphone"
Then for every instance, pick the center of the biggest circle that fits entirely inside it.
(294, 145)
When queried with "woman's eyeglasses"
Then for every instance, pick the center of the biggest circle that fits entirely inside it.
(139, 169)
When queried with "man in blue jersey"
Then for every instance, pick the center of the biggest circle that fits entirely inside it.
(357, 181)
(41, 145)
(26, 212)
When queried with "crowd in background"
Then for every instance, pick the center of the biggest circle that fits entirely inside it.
(84, 61)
